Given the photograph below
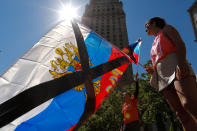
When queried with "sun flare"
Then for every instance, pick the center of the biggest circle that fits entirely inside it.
(68, 13)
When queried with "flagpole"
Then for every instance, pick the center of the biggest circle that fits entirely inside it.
(90, 103)
(139, 40)
(140, 65)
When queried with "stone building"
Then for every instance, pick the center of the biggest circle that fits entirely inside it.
(107, 18)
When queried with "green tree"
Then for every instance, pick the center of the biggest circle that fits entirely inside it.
(152, 106)
(108, 117)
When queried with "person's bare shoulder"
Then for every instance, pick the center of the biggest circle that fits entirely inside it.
(172, 33)
(169, 28)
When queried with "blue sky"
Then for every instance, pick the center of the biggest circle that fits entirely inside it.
(23, 23)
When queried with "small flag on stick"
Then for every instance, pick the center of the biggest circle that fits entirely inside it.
(133, 50)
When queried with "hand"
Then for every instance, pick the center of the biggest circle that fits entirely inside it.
(149, 69)
(182, 70)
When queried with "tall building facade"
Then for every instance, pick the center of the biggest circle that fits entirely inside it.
(107, 18)
(193, 15)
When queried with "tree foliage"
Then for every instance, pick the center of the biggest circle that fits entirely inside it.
(108, 117)
(152, 107)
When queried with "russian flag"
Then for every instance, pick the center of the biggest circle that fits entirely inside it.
(133, 50)
(45, 91)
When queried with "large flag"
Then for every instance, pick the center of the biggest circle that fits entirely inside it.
(58, 83)
(133, 50)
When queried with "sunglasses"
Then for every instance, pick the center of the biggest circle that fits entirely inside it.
(147, 26)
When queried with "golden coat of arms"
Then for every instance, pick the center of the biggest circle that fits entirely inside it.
(67, 62)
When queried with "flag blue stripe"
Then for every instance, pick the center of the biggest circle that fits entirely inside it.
(135, 47)
(64, 111)
(98, 49)
(136, 50)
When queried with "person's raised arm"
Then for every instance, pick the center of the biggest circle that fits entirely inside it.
(136, 87)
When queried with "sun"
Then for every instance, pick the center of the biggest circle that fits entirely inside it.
(68, 12)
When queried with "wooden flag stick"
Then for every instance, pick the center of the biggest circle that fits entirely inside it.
(140, 65)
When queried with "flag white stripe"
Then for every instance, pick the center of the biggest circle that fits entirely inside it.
(33, 68)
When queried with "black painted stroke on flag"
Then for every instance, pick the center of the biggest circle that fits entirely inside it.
(35, 96)
(84, 60)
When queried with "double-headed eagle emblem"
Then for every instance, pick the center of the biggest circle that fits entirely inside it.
(67, 62)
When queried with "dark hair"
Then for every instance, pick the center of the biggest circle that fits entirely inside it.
(159, 22)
